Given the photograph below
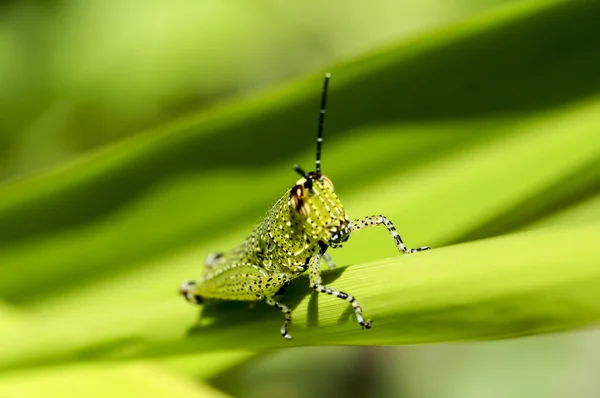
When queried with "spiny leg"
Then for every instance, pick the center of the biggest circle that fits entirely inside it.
(286, 311)
(373, 221)
(329, 261)
(349, 298)
(316, 284)
(265, 288)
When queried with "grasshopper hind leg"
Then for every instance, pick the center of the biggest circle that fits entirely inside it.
(241, 282)
(187, 291)
(287, 313)
(283, 281)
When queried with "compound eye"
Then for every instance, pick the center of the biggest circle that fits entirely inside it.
(297, 200)
(327, 182)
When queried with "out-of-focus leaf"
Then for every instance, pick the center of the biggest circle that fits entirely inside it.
(104, 380)
(9, 316)
(207, 365)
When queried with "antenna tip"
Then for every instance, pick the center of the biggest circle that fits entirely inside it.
(299, 170)
(327, 75)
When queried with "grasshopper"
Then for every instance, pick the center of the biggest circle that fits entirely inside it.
(291, 240)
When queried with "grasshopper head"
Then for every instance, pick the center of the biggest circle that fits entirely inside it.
(317, 210)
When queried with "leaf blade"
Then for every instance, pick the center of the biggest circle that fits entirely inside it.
(442, 295)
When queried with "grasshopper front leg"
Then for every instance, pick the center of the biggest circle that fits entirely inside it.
(373, 221)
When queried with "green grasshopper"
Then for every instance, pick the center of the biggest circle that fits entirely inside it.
(291, 240)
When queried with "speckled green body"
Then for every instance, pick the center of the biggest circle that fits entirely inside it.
(291, 240)
(295, 232)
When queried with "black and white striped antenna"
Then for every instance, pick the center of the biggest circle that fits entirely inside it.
(321, 123)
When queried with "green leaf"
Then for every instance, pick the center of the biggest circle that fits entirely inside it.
(536, 282)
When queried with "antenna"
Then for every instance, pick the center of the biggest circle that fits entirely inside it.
(304, 174)
(301, 172)
(321, 123)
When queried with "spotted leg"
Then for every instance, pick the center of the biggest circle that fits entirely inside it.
(316, 284)
(287, 313)
(373, 221)
(329, 261)
(265, 288)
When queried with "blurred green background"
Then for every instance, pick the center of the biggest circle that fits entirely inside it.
(136, 137)
(78, 75)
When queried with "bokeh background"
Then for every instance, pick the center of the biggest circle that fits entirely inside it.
(78, 75)
(136, 137)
